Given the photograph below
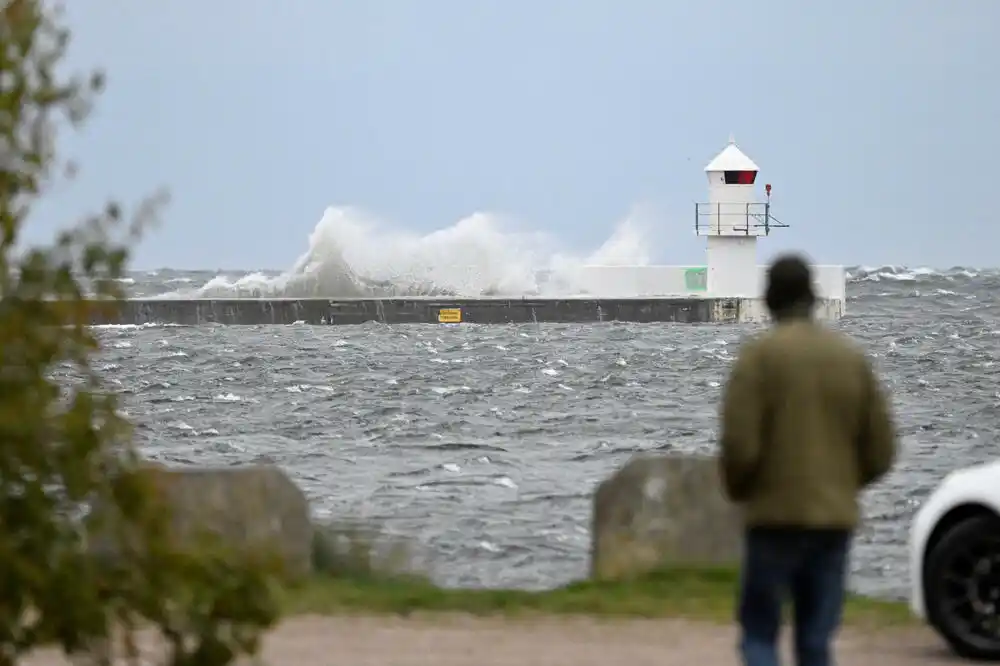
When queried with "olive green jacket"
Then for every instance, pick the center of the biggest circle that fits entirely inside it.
(805, 427)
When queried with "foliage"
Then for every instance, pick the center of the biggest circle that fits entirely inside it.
(65, 445)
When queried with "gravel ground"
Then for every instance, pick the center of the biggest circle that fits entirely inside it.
(466, 641)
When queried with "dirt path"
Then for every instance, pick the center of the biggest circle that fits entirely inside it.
(464, 641)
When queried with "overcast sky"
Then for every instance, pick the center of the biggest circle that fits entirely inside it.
(875, 120)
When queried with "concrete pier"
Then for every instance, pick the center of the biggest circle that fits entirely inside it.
(321, 311)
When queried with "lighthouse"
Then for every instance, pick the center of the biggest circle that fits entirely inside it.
(731, 221)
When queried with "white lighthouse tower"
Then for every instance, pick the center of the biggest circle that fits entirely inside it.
(732, 220)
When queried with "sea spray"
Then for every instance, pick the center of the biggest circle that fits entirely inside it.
(351, 254)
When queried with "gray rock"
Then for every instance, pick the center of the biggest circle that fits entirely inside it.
(250, 507)
(360, 550)
(663, 510)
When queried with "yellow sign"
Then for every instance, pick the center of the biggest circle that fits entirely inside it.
(450, 316)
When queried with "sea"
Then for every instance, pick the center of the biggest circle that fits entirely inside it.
(482, 445)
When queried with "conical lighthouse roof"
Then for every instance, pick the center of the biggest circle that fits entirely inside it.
(731, 159)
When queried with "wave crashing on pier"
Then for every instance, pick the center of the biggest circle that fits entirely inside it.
(352, 255)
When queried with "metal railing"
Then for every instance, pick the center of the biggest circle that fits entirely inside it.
(725, 219)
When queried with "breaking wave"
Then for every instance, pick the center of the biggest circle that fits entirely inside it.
(351, 254)
(893, 273)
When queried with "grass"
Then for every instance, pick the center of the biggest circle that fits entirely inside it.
(362, 570)
(699, 594)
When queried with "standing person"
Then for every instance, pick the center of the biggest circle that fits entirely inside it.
(805, 427)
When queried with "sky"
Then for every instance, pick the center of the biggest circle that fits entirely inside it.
(875, 121)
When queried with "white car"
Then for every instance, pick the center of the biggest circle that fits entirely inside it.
(955, 561)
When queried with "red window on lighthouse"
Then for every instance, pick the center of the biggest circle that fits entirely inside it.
(739, 177)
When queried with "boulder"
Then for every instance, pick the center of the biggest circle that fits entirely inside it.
(663, 510)
(248, 507)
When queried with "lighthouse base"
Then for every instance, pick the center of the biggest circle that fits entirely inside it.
(322, 311)
(754, 310)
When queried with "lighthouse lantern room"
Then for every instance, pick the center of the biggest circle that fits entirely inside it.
(732, 220)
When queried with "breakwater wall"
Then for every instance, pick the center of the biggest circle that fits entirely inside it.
(322, 311)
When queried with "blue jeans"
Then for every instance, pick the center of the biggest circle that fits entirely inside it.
(810, 566)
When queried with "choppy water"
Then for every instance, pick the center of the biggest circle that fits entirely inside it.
(485, 443)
